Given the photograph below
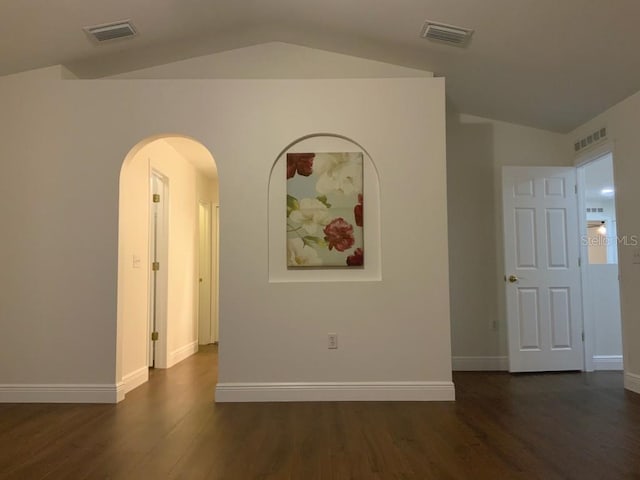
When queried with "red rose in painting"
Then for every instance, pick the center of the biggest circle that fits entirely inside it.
(301, 163)
(339, 235)
(357, 259)
(358, 210)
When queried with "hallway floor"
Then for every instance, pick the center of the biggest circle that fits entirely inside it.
(546, 426)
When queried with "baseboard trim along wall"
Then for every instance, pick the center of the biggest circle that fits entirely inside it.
(480, 364)
(181, 353)
(632, 382)
(135, 379)
(607, 362)
(60, 393)
(335, 392)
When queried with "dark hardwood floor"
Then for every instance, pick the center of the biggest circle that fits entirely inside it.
(546, 426)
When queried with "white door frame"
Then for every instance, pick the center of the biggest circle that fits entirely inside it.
(205, 259)
(161, 287)
(588, 327)
(215, 271)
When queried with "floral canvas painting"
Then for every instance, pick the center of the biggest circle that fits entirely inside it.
(324, 210)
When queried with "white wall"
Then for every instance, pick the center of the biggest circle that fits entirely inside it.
(602, 313)
(54, 72)
(602, 246)
(276, 60)
(61, 327)
(622, 124)
(133, 268)
(608, 338)
(477, 148)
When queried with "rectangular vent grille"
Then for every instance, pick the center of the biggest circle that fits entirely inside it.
(448, 34)
(111, 31)
(595, 210)
(590, 140)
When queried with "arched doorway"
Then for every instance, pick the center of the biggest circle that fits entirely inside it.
(167, 261)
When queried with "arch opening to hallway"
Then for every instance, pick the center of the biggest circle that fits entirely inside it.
(167, 256)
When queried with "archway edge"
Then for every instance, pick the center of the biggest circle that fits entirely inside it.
(323, 134)
(131, 154)
(137, 165)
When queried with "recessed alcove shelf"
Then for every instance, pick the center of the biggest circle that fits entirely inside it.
(278, 271)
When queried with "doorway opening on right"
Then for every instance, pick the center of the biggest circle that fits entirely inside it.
(599, 244)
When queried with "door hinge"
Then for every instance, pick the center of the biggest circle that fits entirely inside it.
(583, 337)
(575, 189)
(579, 261)
(155, 266)
(156, 198)
(154, 336)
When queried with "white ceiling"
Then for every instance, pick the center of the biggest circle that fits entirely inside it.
(552, 64)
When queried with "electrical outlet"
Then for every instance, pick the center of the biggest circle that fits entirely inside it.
(332, 341)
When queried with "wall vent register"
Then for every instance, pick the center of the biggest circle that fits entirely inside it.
(590, 140)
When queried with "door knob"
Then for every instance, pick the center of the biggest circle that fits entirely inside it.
(513, 279)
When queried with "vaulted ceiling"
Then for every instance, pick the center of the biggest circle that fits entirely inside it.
(551, 64)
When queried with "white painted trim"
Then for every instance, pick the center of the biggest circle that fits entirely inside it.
(594, 153)
(135, 379)
(162, 253)
(632, 382)
(480, 364)
(205, 229)
(181, 353)
(588, 328)
(335, 392)
(607, 362)
(61, 393)
(120, 393)
(216, 274)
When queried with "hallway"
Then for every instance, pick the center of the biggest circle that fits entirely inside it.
(570, 425)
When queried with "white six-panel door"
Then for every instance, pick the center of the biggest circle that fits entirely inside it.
(542, 281)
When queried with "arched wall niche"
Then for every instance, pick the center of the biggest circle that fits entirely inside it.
(278, 271)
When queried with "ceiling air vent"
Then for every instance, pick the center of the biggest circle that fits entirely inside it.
(111, 31)
(448, 34)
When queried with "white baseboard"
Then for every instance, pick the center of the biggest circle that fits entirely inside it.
(632, 382)
(61, 393)
(135, 379)
(335, 392)
(480, 364)
(181, 353)
(120, 392)
(607, 362)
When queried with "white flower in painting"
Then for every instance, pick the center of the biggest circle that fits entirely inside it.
(340, 172)
(300, 254)
(312, 215)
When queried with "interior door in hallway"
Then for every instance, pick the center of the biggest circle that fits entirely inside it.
(158, 270)
(542, 278)
(205, 318)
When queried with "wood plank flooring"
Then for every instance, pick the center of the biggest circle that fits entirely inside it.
(542, 426)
